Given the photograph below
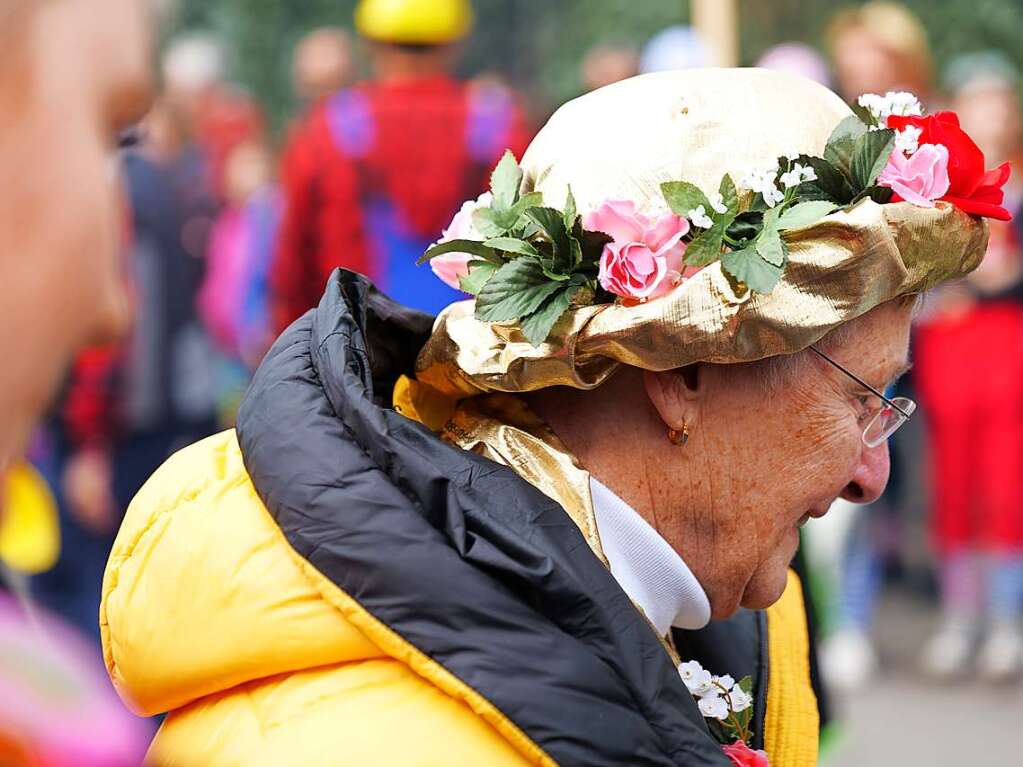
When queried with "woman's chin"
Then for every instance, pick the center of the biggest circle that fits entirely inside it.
(769, 581)
(765, 588)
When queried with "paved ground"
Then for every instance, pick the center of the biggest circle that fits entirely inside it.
(904, 720)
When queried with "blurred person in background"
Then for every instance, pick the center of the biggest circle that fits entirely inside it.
(73, 75)
(797, 59)
(322, 65)
(233, 300)
(879, 47)
(376, 170)
(126, 409)
(606, 64)
(676, 47)
(218, 114)
(969, 370)
(875, 48)
(167, 394)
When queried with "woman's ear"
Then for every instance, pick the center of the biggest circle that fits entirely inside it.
(675, 394)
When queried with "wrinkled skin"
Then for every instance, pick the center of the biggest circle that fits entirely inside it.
(762, 454)
(73, 74)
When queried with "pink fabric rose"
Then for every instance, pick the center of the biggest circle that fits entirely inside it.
(744, 756)
(920, 178)
(644, 259)
(451, 267)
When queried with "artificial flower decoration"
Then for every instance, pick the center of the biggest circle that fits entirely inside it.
(644, 258)
(450, 268)
(920, 178)
(744, 756)
(970, 188)
(728, 707)
(528, 263)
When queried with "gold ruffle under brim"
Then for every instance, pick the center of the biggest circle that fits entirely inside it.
(838, 269)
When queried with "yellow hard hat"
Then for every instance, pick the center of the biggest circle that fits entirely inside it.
(416, 22)
(29, 530)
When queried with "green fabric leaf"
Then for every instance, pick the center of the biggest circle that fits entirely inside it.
(729, 194)
(705, 248)
(746, 684)
(577, 251)
(769, 243)
(771, 247)
(505, 182)
(489, 223)
(749, 268)
(514, 291)
(831, 183)
(537, 326)
(870, 156)
(570, 211)
(746, 226)
(552, 224)
(805, 213)
(512, 245)
(472, 247)
(683, 197)
(479, 273)
(842, 141)
(593, 245)
(514, 220)
(865, 115)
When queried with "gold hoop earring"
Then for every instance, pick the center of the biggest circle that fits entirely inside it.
(679, 437)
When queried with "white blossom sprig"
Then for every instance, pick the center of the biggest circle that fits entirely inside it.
(892, 103)
(727, 703)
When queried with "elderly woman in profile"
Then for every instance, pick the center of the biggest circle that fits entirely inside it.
(544, 528)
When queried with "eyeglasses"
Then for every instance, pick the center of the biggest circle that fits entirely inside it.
(885, 421)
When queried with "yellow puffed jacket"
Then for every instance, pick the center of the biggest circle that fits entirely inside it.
(336, 585)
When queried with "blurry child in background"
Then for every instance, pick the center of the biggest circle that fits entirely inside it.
(969, 368)
(233, 298)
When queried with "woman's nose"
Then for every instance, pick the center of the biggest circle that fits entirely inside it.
(870, 477)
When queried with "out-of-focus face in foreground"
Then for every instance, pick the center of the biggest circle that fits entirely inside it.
(73, 75)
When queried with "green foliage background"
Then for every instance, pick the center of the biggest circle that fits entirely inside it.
(538, 44)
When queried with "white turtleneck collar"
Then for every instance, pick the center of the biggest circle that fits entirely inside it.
(649, 571)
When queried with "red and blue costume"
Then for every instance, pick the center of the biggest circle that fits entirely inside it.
(374, 174)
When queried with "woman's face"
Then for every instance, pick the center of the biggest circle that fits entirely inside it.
(763, 460)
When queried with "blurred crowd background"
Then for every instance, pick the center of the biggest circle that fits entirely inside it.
(288, 139)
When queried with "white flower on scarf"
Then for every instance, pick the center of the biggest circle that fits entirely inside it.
(717, 202)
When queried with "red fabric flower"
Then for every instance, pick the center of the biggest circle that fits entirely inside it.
(971, 189)
(744, 756)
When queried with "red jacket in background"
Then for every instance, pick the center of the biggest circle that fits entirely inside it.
(373, 175)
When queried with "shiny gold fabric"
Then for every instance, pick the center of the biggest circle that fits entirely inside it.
(622, 142)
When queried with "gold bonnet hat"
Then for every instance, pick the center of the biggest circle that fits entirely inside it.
(622, 142)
